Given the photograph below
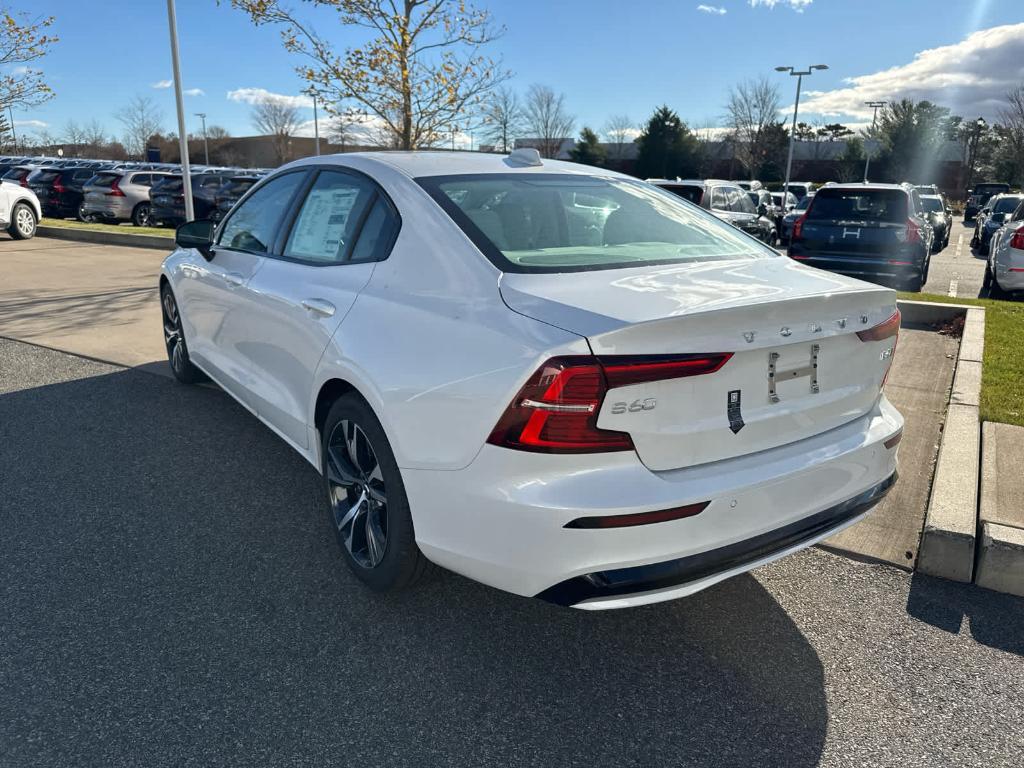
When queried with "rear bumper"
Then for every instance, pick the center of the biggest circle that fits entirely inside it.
(864, 268)
(1009, 281)
(114, 208)
(501, 520)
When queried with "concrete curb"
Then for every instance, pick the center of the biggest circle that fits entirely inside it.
(1001, 513)
(106, 238)
(951, 525)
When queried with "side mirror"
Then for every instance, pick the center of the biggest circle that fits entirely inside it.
(762, 209)
(198, 235)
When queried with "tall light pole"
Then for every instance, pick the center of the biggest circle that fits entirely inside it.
(796, 108)
(186, 171)
(874, 105)
(316, 126)
(206, 146)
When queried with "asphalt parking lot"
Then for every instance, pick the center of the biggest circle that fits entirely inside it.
(171, 594)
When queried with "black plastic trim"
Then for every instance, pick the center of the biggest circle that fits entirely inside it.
(673, 573)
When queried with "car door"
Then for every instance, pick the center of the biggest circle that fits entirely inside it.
(214, 294)
(300, 296)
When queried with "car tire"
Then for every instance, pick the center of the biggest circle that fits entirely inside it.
(366, 501)
(88, 218)
(23, 222)
(140, 216)
(174, 340)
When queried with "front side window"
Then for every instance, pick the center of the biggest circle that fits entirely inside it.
(326, 227)
(719, 199)
(252, 225)
(739, 202)
(560, 223)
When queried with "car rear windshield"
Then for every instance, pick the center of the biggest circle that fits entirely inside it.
(562, 223)
(691, 192)
(170, 184)
(44, 177)
(1006, 205)
(990, 189)
(881, 205)
(932, 204)
(103, 179)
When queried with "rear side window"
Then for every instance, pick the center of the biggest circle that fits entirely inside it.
(329, 220)
(881, 205)
(1006, 204)
(378, 233)
(142, 179)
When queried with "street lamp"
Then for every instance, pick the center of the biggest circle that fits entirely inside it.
(186, 175)
(206, 146)
(796, 108)
(874, 105)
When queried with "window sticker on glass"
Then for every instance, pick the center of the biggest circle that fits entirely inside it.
(320, 231)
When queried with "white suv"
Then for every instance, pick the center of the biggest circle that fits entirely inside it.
(19, 210)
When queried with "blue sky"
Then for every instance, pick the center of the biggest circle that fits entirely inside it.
(607, 56)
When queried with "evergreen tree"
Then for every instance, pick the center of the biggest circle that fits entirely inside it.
(6, 135)
(588, 149)
(667, 147)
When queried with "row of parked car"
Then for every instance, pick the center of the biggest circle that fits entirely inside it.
(146, 194)
(880, 232)
(999, 236)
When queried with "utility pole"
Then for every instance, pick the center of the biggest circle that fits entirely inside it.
(867, 160)
(206, 146)
(186, 171)
(796, 109)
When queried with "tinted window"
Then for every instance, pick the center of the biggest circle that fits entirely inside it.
(739, 202)
(932, 204)
(325, 229)
(884, 205)
(378, 232)
(539, 222)
(43, 177)
(1006, 204)
(252, 225)
(690, 192)
(143, 179)
(105, 179)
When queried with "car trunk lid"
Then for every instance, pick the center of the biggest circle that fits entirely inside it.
(797, 366)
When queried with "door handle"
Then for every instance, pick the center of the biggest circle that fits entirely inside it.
(319, 306)
(233, 279)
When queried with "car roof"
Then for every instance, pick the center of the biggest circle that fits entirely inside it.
(869, 185)
(434, 163)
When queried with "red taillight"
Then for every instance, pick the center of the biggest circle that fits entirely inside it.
(23, 180)
(556, 410)
(798, 228)
(57, 186)
(1017, 240)
(913, 232)
(884, 330)
(115, 189)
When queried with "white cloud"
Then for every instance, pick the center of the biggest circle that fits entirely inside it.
(796, 5)
(259, 95)
(713, 9)
(194, 92)
(21, 69)
(159, 84)
(970, 77)
(30, 124)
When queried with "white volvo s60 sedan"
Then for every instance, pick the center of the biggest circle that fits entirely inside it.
(555, 379)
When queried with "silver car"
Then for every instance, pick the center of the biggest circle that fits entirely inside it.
(120, 196)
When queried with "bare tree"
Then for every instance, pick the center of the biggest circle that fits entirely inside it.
(547, 119)
(503, 119)
(216, 132)
(1010, 153)
(141, 119)
(620, 132)
(279, 119)
(23, 40)
(72, 134)
(422, 70)
(752, 110)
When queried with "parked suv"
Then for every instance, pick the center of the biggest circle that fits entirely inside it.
(877, 232)
(60, 190)
(998, 209)
(940, 217)
(1004, 268)
(120, 195)
(231, 192)
(726, 201)
(19, 210)
(979, 196)
(167, 197)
